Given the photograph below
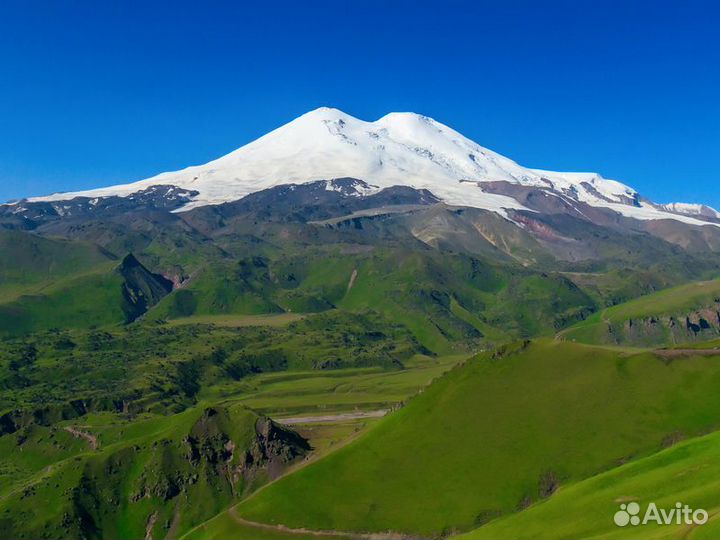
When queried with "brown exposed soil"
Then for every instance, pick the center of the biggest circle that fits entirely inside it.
(150, 524)
(353, 277)
(89, 437)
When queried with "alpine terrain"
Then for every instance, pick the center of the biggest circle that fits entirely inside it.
(353, 329)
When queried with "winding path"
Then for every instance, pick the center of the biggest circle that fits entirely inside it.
(333, 534)
(331, 417)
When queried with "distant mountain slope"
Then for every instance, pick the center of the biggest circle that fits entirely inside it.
(456, 276)
(28, 262)
(102, 295)
(495, 435)
(449, 301)
(683, 314)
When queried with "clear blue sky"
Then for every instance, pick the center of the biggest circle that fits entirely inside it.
(95, 93)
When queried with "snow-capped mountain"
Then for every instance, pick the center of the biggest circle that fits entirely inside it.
(399, 149)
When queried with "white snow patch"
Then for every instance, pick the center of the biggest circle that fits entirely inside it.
(691, 209)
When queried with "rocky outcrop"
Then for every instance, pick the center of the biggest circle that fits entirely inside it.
(141, 289)
(228, 452)
(698, 325)
(273, 449)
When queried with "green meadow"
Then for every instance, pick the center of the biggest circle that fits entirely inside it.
(495, 435)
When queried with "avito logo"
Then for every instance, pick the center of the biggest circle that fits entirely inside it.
(680, 514)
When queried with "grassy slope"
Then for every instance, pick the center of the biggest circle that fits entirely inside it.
(673, 301)
(93, 299)
(450, 302)
(52, 283)
(278, 394)
(239, 321)
(29, 262)
(487, 438)
(688, 472)
(336, 390)
(447, 299)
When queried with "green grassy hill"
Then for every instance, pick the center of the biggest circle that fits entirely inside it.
(688, 472)
(84, 301)
(495, 435)
(682, 314)
(111, 293)
(30, 263)
(55, 283)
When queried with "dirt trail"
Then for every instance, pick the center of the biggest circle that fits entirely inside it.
(353, 277)
(175, 525)
(331, 417)
(89, 437)
(333, 534)
(149, 526)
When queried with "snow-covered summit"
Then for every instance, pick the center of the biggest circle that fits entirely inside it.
(398, 149)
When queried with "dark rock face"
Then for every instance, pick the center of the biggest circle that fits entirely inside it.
(272, 449)
(30, 215)
(313, 201)
(142, 289)
(275, 446)
(633, 200)
(214, 459)
(702, 324)
(547, 484)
